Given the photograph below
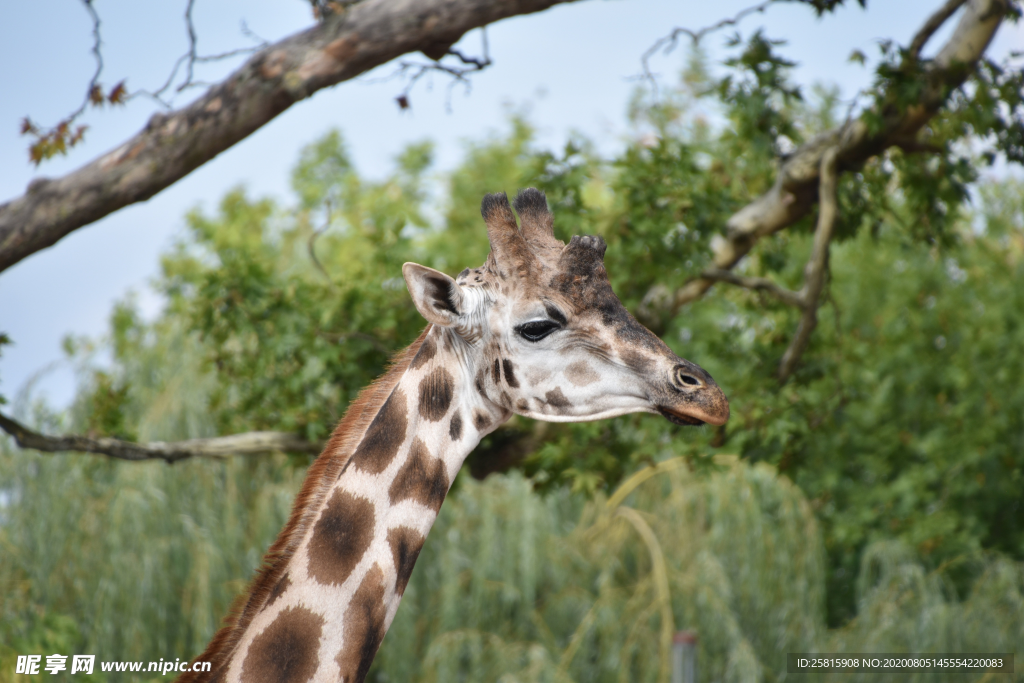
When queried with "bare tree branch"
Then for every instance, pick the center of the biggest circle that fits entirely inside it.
(57, 140)
(668, 43)
(192, 57)
(311, 246)
(796, 186)
(932, 25)
(250, 443)
(817, 266)
(762, 284)
(814, 272)
(458, 73)
(97, 55)
(810, 174)
(171, 146)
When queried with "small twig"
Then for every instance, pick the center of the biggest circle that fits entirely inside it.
(157, 94)
(58, 138)
(817, 265)
(458, 74)
(311, 246)
(192, 57)
(98, 55)
(474, 61)
(223, 55)
(249, 443)
(252, 35)
(668, 43)
(191, 28)
(762, 284)
(932, 25)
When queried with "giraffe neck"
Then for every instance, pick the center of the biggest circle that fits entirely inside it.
(322, 605)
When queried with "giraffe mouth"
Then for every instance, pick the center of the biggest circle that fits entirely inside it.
(679, 418)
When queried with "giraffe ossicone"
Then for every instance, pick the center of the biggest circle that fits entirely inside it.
(535, 331)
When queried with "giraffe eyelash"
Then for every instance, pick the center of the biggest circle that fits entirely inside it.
(536, 330)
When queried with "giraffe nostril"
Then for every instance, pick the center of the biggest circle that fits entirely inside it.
(682, 377)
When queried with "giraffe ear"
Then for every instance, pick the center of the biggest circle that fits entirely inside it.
(437, 296)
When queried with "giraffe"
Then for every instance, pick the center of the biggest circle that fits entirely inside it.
(535, 331)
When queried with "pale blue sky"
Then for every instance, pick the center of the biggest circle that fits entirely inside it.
(569, 66)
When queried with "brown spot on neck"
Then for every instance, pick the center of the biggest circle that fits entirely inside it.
(384, 436)
(340, 538)
(436, 392)
(364, 628)
(422, 478)
(428, 349)
(286, 651)
(279, 588)
(405, 545)
(455, 428)
(480, 420)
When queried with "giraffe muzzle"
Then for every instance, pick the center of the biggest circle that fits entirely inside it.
(693, 397)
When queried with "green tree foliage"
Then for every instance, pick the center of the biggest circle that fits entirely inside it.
(296, 313)
(886, 426)
(902, 430)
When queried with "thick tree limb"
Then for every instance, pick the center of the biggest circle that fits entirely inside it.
(814, 272)
(796, 186)
(171, 146)
(514, 445)
(932, 25)
(817, 266)
(251, 443)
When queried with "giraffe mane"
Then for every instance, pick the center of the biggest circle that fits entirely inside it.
(322, 473)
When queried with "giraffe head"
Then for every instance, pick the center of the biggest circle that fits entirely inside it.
(543, 334)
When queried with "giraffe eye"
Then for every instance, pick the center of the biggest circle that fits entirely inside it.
(537, 330)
